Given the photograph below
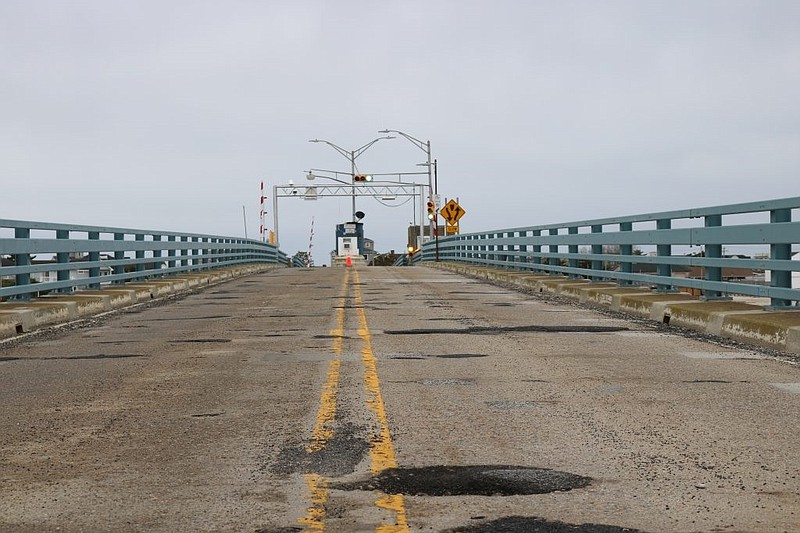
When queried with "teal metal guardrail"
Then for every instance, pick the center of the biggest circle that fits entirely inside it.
(75, 254)
(612, 249)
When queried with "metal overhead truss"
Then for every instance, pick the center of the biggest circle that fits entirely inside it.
(379, 190)
(361, 189)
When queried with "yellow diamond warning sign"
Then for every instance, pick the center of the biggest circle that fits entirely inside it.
(452, 212)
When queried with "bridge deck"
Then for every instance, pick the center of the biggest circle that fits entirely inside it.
(340, 399)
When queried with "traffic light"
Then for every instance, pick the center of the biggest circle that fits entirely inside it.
(362, 177)
(431, 210)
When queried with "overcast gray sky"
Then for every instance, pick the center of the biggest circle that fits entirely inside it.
(167, 115)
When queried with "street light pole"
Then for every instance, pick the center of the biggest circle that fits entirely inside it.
(351, 155)
(425, 146)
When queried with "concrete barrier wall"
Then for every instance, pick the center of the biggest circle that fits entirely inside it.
(19, 317)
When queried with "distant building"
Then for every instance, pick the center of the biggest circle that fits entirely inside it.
(795, 275)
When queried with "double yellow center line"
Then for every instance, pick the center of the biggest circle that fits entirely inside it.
(382, 455)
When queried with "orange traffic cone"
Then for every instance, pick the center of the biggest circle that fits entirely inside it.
(348, 261)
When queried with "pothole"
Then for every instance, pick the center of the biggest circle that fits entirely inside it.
(74, 357)
(528, 524)
(211, 317)
(499, 330)
(512, 405)
(459, 355)
(479, 480)
(101, 356)
(446, 381)
(202, 341)
(418, 356)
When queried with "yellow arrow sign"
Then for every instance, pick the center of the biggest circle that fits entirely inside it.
(452, 212)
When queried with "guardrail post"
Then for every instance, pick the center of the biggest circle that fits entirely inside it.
(713, 251)
(184, 252)
(171, 251)
(780, 252)
(507, 258)
(626, 267)
(537, 249)
(119, 255)
(157, 255)
(94, 256)
(553, 249)
(62, 260)
(522, 249)
(573, 249)
(22, 260)
(139, 254)
(597, 249)
(664, 250)
(195, 254)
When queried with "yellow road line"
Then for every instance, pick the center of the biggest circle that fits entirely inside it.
(323, 427)
(314, 520)
(381, 449)
(382, 453)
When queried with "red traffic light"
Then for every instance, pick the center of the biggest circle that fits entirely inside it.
(362, 177)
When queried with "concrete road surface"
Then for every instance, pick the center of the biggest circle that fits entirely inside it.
(390, 400)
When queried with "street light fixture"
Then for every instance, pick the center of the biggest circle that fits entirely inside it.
(311, 177)
(351, 155)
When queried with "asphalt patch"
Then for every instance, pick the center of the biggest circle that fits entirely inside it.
(532, 524)
(479, 480)
(338, 457)
(499, 330)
